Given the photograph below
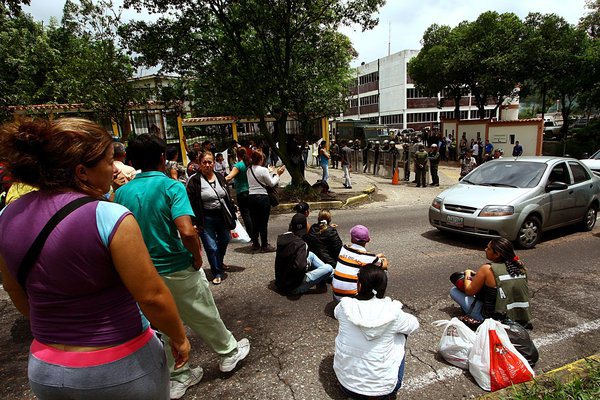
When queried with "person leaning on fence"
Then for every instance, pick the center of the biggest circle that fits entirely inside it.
(92, 284)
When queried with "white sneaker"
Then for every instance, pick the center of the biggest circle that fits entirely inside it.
(228, 364)
(178, 389)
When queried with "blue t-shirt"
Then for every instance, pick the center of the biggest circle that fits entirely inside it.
(157, 201)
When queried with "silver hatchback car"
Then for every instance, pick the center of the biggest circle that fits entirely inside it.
(518, 198)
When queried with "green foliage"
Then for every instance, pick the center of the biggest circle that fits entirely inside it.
(587, 388)
(12, 7)
(253, 58)
(480, 57)
(26, 57)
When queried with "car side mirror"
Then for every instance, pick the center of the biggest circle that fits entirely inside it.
(552, 186)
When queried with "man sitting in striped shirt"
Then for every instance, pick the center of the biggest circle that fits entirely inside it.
(352, 257)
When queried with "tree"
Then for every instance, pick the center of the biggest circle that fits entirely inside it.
(491, 55)
(255, 58)
(432, 69)
(591, 21)
(554, 53)
(12, 7)
(95, 70)
(26, 58)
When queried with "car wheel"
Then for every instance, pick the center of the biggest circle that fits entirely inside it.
(529, 233)
(589, 219)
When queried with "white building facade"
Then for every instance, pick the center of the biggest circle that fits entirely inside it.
(385, 94)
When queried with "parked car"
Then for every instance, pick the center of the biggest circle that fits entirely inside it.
(519, 199)
(551, 128)
(593, 162)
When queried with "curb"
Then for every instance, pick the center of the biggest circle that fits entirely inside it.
(565, 374)
(356, 199)
(314, 205)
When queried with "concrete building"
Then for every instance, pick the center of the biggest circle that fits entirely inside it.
(385, 94)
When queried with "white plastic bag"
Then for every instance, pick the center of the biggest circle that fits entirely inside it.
(494, 362)
(456, 342)
(239, 234)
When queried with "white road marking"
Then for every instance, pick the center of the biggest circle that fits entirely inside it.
(445, 373)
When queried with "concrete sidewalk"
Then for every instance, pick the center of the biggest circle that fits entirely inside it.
(405, 193)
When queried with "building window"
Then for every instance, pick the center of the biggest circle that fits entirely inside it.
(392, 119)
(368, 78)
(414, 93)
(421, 117)
(368, 100)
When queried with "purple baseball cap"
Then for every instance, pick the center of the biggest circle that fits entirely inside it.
(360, 233)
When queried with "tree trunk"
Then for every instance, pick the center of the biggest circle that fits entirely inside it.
(295, 170)
(457, 106)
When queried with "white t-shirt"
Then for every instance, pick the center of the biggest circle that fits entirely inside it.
(265, 177)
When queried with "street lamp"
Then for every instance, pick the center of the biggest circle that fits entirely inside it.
(358, 92)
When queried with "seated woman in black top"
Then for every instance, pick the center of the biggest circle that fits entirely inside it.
(323, 239)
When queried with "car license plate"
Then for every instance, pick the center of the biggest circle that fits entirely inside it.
(455, 221)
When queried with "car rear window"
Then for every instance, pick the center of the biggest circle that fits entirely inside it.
(579, 173)
(521, 174)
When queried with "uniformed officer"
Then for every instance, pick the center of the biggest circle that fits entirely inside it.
(406, 157)
(434, 161)
(421, 166)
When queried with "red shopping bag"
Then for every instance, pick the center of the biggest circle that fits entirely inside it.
(506, 366)
(494, 361)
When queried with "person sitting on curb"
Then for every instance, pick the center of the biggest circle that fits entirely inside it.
(323, 239)
(297, 270)
(369, 348)
(351, 259)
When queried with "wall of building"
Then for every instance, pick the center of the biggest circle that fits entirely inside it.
(504, 134)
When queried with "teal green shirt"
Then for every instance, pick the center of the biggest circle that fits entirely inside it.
(241, 179)
(156, 201)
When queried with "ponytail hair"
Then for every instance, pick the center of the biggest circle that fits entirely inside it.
(324, 219)
(373, 282)
(503, 247)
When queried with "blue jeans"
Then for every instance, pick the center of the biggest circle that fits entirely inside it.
(466, 303)
(317, 272)
(357, 396)
(325, 168)
(215, 238)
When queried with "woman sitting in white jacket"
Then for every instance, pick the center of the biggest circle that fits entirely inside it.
(369, 347)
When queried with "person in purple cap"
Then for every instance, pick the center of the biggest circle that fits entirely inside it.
(352, 257)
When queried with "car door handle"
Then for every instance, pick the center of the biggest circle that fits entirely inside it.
(570, 192)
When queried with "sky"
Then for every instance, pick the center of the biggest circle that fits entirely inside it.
(401, 22)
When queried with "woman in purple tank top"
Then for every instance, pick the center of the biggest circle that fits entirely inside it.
(85, 289)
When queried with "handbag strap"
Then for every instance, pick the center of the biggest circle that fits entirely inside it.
(223, 206)
(256, 179)
(36, 248)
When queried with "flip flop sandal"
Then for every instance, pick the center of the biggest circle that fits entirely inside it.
(470, 322)
(216, 281)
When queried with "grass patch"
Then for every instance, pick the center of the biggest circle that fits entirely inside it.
(586, 388)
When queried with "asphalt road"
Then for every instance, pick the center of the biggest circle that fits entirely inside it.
(293, 338)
